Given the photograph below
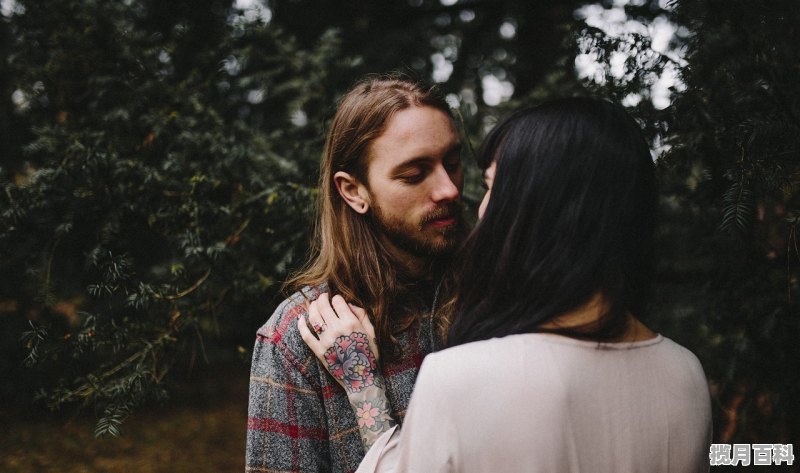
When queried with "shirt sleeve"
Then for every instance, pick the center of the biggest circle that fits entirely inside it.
(286, 425)
(427, 441)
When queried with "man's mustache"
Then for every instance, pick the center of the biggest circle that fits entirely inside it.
(450, 210)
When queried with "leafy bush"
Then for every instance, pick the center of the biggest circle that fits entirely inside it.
(159, 162)
(165, 190)
(729, 272)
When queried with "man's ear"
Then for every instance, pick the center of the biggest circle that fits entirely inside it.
(352, 191)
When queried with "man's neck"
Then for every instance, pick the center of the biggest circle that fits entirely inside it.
(410, 264)
(415, 267)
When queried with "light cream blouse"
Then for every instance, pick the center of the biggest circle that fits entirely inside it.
(547, 403)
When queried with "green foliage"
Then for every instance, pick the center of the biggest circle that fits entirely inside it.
(516, 40)
(729, 273)
(165, 189)
(739, 121)
(159, 162)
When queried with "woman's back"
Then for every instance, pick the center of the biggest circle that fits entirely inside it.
(539, 402)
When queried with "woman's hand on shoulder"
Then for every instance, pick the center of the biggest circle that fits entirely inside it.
(343, 339)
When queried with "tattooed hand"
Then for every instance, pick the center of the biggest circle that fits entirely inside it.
(352, 363)
(343, 339)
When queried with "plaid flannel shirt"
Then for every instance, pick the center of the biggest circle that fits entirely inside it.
(299, 418)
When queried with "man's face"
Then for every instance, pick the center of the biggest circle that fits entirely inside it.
(414, 182)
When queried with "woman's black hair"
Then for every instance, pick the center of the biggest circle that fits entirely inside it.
(572, 214)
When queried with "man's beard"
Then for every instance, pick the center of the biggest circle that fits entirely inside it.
(420, 238)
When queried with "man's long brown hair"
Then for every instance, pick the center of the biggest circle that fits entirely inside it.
(346, 251)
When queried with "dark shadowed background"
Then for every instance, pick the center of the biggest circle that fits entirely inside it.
(158, 165)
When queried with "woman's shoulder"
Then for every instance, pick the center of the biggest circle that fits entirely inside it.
(488, 355)
(446, 374)
(460, 363)
(682, 356)
(470, 350)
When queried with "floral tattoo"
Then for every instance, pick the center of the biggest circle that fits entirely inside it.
(351, 361)
(374, 414)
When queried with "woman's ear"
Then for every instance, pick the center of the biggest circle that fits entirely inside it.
(352, 191)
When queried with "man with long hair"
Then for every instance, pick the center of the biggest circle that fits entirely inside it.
(388, 219)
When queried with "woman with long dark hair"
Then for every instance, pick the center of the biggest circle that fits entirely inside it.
(549, 367)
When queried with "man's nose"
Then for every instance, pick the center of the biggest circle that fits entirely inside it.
(445, 189)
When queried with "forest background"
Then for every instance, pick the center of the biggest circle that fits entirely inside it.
(158, 166)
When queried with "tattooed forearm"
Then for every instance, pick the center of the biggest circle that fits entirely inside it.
(351, 361)
(373, 413)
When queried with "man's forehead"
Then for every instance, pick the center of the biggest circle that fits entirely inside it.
(418, 132)
(410, 120)
(420, 147)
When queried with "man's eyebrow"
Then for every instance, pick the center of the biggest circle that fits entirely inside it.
(423, 160)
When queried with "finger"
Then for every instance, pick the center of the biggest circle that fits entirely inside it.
(374, 345)
(363, 317)
(342, 309)
(357, 319)
(315, 320)
(309, 338)
(371, 333)
(358, 311)
(325, 308)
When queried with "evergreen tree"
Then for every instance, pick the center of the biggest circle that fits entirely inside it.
(158, 162)
(729, 268)
(735, 133)
(164, 191)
